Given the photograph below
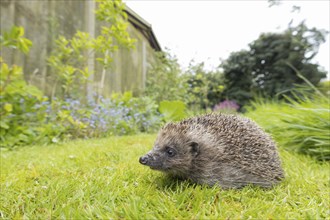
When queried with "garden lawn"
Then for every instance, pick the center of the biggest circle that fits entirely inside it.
(102, 178)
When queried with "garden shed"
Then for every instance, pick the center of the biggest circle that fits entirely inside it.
(44, 21)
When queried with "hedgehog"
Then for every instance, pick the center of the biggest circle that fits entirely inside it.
(216, 149)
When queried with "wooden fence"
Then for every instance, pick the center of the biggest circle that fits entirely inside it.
(45, 20)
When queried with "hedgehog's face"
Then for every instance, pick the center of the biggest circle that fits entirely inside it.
(172, 155)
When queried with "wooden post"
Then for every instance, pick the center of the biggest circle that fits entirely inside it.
(101, 85)
(90, 28)
(44, 13)
(144, 64)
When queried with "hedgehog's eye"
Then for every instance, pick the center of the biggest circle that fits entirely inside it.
(170, 152)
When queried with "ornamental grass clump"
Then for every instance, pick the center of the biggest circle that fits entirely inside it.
(301, 125)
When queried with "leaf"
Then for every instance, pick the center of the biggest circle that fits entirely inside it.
(172, 110)
(127, 96)
(15, 39)
(34, 91)
(4, 125)
(8, 107)
(4, 72)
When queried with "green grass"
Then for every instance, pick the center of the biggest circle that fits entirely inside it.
(103, 179)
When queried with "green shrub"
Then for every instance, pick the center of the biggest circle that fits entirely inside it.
(165, 80)
(196, 87)
(204, 87)
(21, 108)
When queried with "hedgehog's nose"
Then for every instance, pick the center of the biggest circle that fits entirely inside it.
(143, 160)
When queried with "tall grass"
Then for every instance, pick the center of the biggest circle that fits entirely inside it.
(301, 124)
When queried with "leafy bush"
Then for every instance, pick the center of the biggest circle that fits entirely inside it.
(204, 87)
(165, 80)
(21, 108)
(302, 126)
(69, 62)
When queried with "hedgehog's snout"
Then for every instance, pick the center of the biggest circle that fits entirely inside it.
(144, 160)
(147, 159)
(152, 159)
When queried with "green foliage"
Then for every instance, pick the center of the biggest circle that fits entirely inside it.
(172, 110)
(238, 81)
(114, 34)
(102, 178)
(69, 57)
(69, 61)
(69, 120)
(24, 111)
(61, 120)
(197, 87)
(266, 68)
(204, 87)
(18, 100)
(15, 39)
(27, 117)
(302, 126)
(165, 80)
(139, 114)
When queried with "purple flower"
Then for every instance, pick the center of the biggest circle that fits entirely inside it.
(227, 105)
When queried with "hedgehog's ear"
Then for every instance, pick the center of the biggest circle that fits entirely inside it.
(194, 148)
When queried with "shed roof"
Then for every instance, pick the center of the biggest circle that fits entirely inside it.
(139, 23)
